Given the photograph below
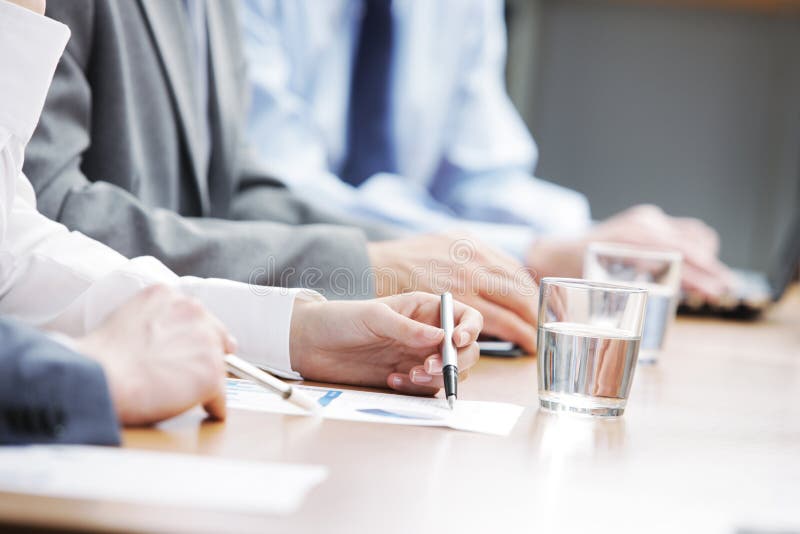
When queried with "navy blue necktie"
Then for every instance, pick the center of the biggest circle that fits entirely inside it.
(369, 142)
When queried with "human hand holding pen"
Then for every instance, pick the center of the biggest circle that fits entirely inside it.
(382, 342)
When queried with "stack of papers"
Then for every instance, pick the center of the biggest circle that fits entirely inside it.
(124, 475)
(486, 417)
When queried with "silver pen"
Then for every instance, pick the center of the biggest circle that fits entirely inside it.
(248, 371)
(449, 355)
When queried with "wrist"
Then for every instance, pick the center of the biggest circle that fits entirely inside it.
(301, 346)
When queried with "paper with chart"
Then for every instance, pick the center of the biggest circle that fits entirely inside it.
(486, 417)
(124, 475)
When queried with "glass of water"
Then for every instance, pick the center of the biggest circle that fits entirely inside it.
(657, 271)
(589, 334)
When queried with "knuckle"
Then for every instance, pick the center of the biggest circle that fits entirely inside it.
(157, 291)
(209, 339)
(646, 212)
(191, 306)
(383, 310)
(420, 295)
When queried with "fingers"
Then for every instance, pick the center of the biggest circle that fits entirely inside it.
(469, 323)
(696, 281)
(703, 273)
(403, 384)
(501, 323)
(467, 358)
(510, 285)
(420, 377)
(229, 343)
(698, 231)
(215, 407)
(425, 308)
(433, 364)
(387, 323)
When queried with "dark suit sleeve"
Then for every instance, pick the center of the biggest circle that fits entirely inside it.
(50, 394)
(269, 252)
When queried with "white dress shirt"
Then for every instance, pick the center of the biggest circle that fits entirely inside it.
(63, 281)
(462, 152)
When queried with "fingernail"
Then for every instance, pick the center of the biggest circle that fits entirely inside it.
(397, 381)
(418, 376)
(433, 366)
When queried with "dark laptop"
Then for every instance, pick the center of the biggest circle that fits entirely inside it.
(756, 290)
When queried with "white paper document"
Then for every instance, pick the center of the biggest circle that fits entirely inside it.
(124, 475)
(486, 417)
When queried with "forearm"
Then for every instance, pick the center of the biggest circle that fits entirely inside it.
(260, 252)
(84, 281)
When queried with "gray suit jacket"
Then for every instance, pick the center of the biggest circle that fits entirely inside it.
(49, 394)
(116, 155)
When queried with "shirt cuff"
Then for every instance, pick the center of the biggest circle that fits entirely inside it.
(259, 317)
(30, 48)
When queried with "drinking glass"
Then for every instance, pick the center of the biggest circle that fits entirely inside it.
(589, 334)
(657, 271)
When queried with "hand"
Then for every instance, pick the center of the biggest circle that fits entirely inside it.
(393, 341)
(488, 280)
(162, 353)
(648, 227)
(37, 6)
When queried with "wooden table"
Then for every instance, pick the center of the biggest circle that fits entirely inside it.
(710, 443)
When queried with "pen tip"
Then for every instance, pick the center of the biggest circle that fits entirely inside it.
(304, 401)
(451, 401)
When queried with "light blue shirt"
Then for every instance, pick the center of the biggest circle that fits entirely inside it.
(463, 154)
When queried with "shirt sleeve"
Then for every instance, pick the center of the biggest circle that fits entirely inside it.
(280, 123)
(401, 202)
(489, 155)
(64, 281)
(30, 47)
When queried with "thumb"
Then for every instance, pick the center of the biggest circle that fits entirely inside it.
(387, 323)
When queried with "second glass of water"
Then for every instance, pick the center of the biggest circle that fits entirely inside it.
(657, 271)
(589, 336)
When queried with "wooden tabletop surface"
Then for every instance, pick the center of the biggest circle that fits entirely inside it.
(710, 443)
